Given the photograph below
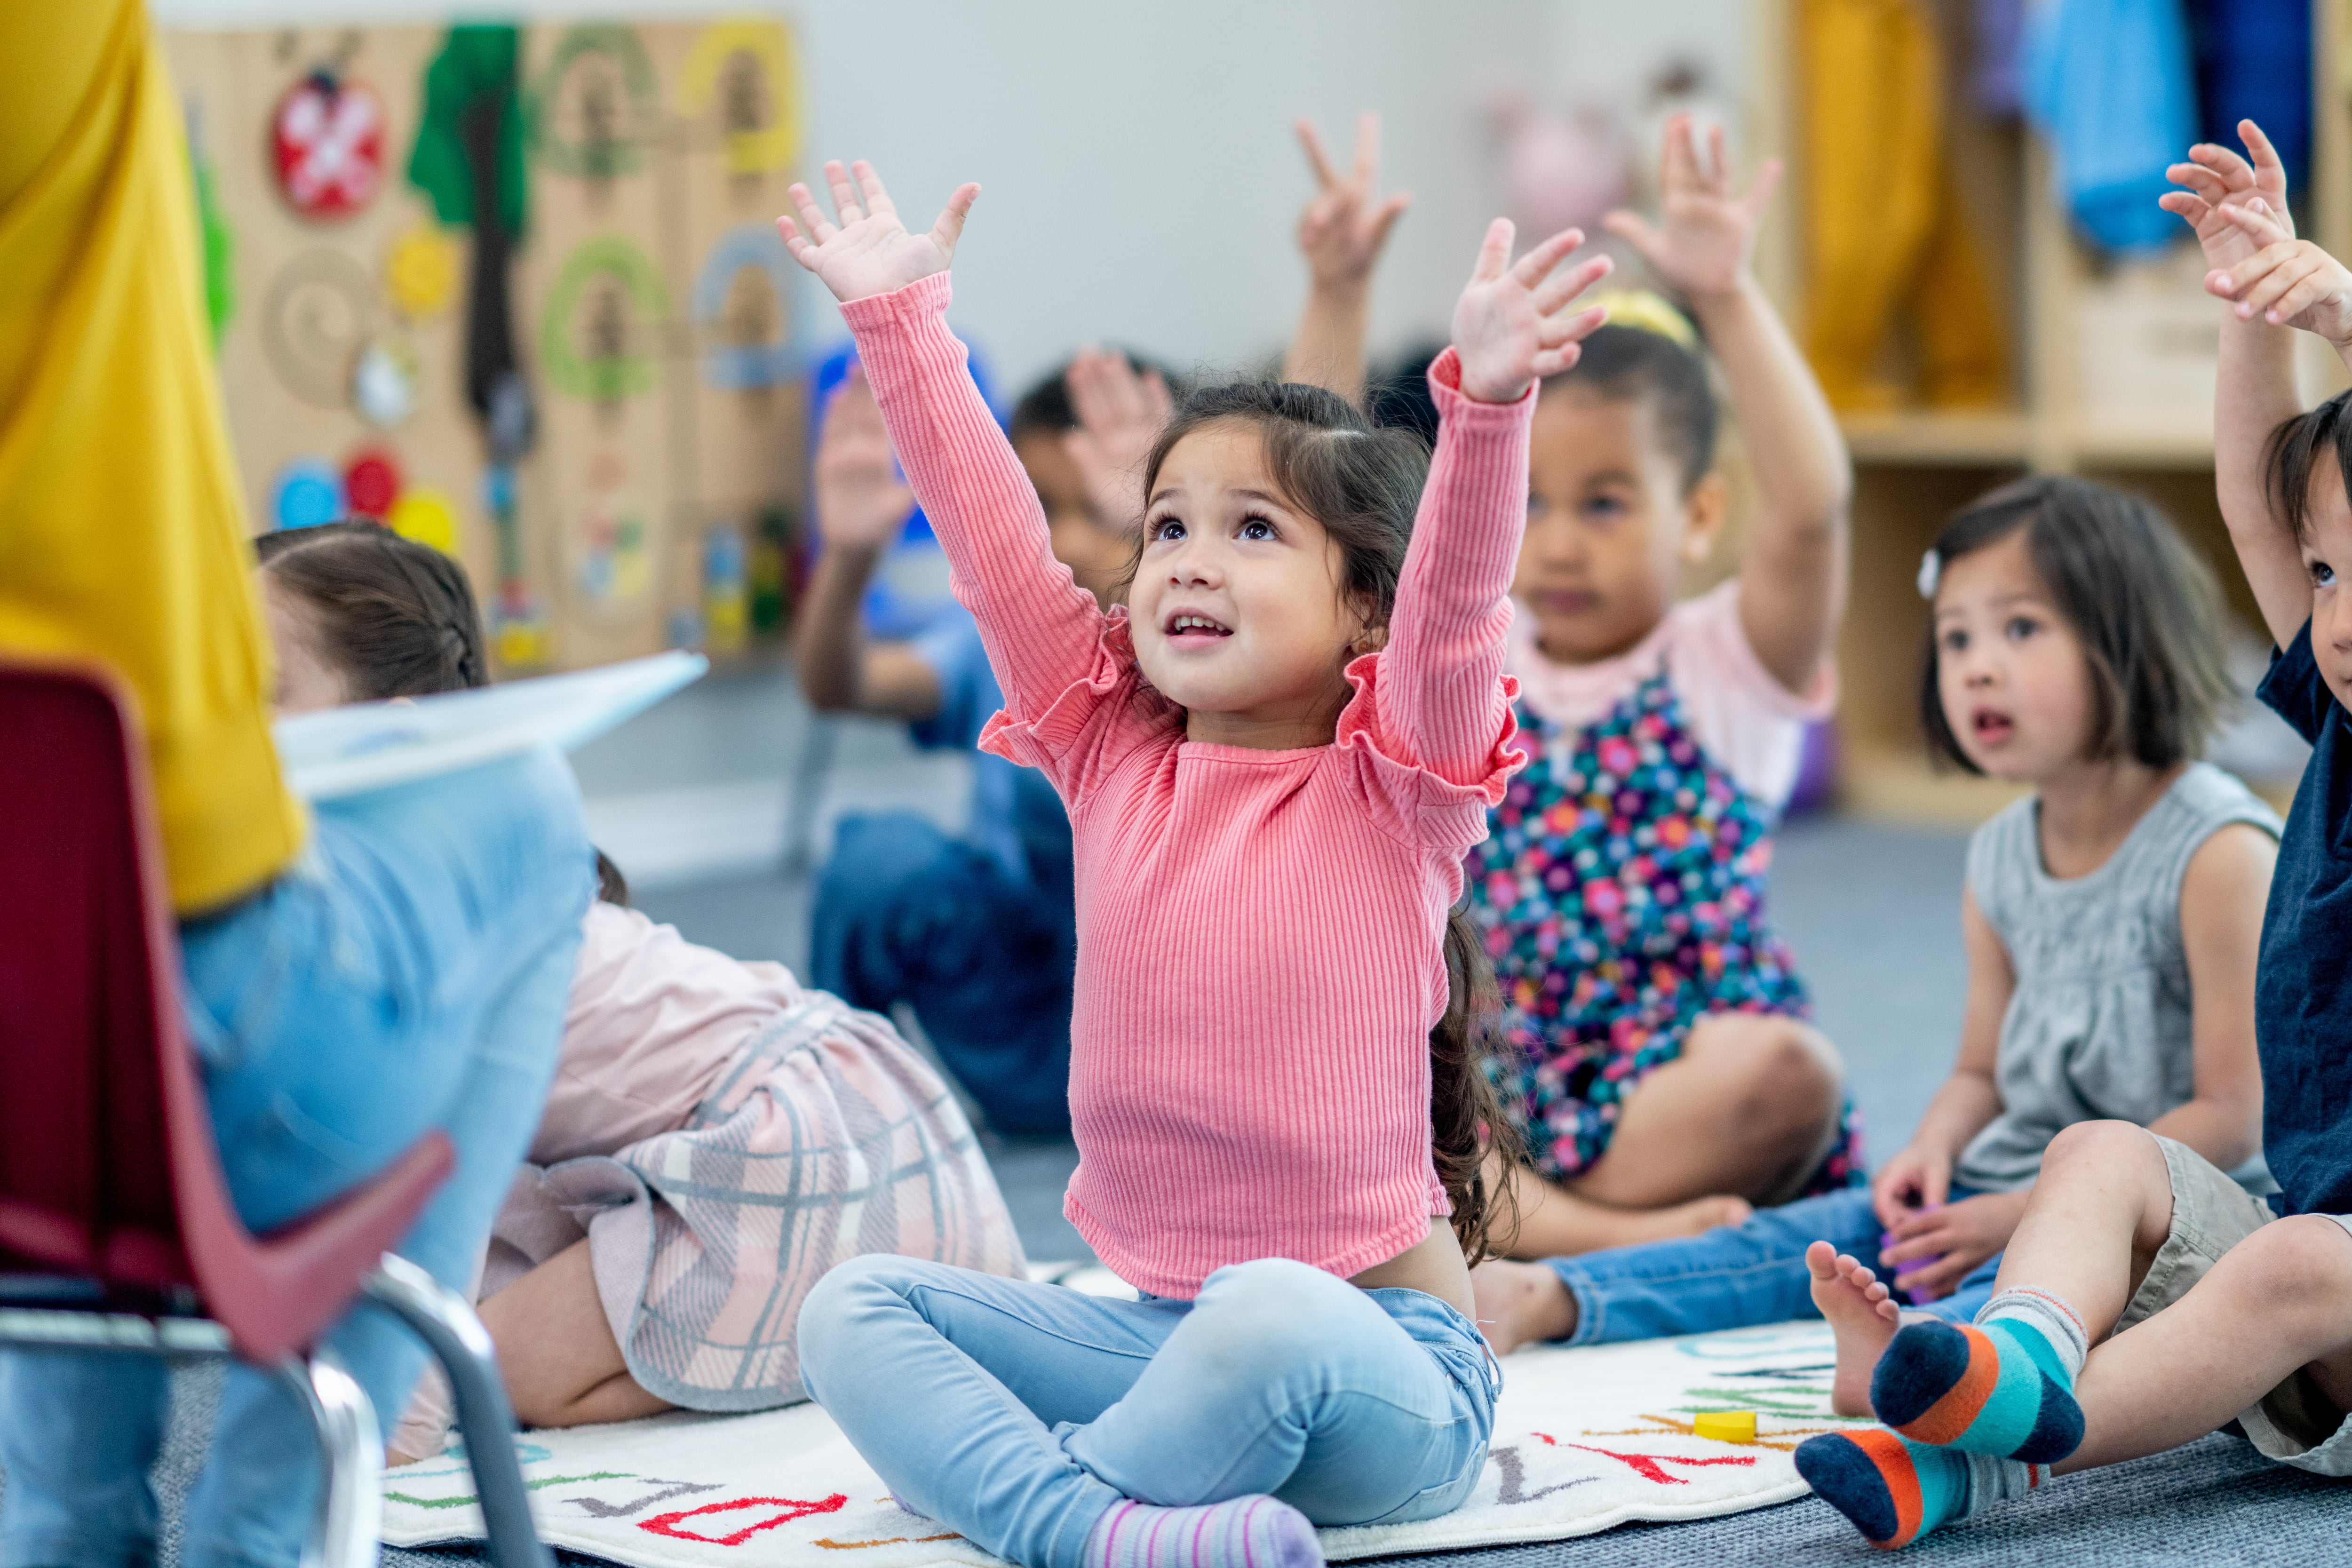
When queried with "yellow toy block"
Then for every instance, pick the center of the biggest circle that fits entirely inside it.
(1725, 1425)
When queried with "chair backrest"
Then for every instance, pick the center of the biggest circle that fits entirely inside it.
(88, 1005)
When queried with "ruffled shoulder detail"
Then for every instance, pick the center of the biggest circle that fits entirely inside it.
(1092, 722)
(1419, 806)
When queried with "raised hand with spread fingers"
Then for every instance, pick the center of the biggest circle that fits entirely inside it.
(2215, 176)
(2285, 281)
(1119, 415)
(1510, 327)
(1341, 234)
(1704, 237)
(869, 251)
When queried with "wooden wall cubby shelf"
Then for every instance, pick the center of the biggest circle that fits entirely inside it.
(1912, 468)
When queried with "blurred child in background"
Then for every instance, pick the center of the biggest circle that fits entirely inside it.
(1664, 1072)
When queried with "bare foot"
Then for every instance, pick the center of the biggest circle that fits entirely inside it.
(1520, 1304)
(1861, 1313)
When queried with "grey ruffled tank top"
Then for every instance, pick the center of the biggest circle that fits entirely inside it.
(2098, 1026)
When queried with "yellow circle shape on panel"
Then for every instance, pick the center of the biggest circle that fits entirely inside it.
(745, 69)
(426, 517)
(420, 272)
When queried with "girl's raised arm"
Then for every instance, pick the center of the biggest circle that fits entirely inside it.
(1040, 628)
(2255, 392)
(1440, 692)
(1793, 575)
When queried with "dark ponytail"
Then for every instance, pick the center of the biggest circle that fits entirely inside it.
(1474, 1143)
(1363, 486)
(397, 617)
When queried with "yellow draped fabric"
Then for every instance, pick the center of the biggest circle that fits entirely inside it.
(1883, 231)
(122, 529)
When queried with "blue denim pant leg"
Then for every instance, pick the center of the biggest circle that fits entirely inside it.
(1733, 1277)
(1737, 1277)
(1020, 1413)
(410, 973)
(905, 913)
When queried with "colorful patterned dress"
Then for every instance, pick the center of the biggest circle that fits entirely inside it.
(1621, 889)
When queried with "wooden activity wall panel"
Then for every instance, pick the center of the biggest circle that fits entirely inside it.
(517, 292)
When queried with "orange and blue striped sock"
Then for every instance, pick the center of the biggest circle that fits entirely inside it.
(2003, 1386)
(1895, 1490)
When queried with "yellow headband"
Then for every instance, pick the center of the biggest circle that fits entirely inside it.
(1646, 312)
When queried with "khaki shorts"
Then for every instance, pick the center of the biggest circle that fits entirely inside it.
(2295, 1424)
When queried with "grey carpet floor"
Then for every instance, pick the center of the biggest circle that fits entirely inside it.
(1872, 913)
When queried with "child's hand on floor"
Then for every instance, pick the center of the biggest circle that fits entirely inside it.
(870, 252)
(1915, 1179)
(1119, 415)
(1705, 233)
(2216, 176)
(2288, 282)
(1347, 222)
(1507, 325)
(861, 501)
(1935, 1248)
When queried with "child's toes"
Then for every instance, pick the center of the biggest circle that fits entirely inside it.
(1821, 1261)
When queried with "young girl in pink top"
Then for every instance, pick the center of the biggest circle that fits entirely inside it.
(1274, 758)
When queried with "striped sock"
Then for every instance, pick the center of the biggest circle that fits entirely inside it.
(2003, 1386)
(1243, 1532)
(1895, 1490)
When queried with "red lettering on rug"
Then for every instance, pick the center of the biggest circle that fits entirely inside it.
(793, 1509)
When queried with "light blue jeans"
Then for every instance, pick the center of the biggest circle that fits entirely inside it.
(1020, 1413)
(1737, 1277)
(408, 973)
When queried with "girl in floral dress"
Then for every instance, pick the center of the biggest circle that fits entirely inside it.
(1662, 1066)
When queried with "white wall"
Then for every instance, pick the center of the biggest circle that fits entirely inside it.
(1140, 181)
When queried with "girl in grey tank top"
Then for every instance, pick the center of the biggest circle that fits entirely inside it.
(2099, 1024)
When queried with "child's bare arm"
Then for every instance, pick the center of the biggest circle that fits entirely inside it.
(1793, 576)
(2255, 391)
(2222, 901)
(1340, 234)
(860, 505)
(1921, 1175)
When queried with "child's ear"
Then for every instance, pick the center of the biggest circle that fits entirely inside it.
(1372, 639)
(1708, 508)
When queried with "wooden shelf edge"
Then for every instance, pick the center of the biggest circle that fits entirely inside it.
(1922, 438)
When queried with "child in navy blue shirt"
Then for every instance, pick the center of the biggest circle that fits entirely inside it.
(2228, 1307)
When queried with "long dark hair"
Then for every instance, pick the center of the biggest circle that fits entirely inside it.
(398, 619)
(1363, 486)
(2144, 605)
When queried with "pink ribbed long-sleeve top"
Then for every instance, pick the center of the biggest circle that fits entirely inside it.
(1260, 932)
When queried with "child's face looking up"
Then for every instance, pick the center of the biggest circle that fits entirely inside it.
(2328, 557)
(1095, 553)
(306, 682)
(2014, 680)
(1610, 525)
(1238, 613)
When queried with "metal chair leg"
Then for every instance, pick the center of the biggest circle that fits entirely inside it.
(350, 1487)
(446, 1324)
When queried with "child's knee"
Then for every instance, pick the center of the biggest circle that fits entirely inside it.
(846, 1302)
(1259, 1318)
(2299, 1265)
(2105, 1146)
(1787, 1077)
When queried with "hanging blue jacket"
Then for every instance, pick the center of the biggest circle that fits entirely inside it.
(2109, 83)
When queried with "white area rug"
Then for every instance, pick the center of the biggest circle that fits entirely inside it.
(1585, 1439)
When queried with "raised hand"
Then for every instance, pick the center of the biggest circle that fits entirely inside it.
(1705, 232)
(1508, 326)
(861, 501)
(870, 252)
(2216, 176)
(1347, 221)
(2285, 281)
(1119, 415)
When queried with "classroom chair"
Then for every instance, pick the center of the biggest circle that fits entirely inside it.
(116, 1231)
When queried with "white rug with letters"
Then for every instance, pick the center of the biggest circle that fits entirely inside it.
(1584, 1440)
